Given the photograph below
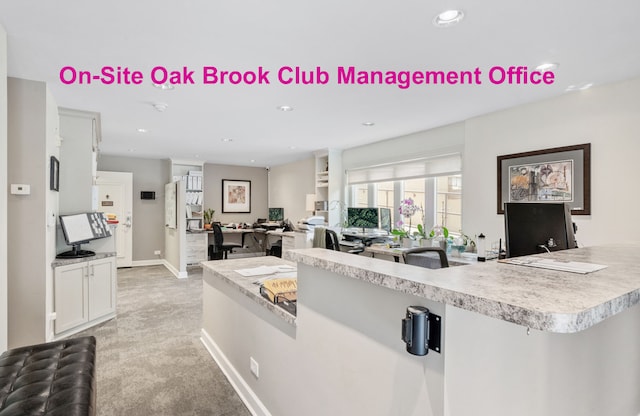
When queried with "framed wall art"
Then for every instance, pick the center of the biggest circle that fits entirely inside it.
(236, 196)
(560, 174)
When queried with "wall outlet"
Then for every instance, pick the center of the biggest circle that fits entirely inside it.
(157, 252)
(255, 368)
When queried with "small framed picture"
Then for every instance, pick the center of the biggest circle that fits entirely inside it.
(54, 174)
(236, 196)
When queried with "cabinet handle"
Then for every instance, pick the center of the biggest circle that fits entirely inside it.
(92, 270)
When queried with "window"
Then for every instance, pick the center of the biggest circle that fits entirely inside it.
(360, 196)
(433, 182)
(449, 202)
(384, 190)
(439, 197)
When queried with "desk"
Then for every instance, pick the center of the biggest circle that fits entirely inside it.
(396, 253)
(516, 340)
(242, 232)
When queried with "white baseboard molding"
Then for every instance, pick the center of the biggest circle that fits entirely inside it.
(142, 263)
(177, 273)
(248, 397)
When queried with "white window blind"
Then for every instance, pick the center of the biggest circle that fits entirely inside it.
(418, 168)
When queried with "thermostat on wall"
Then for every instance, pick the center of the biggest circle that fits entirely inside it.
(147, 195)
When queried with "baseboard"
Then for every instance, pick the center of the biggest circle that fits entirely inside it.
(154, 262)
(248, 397)
(177, 273)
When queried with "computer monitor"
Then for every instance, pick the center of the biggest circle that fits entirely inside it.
(532, 228)
(385, 219)
(80, 229)
(362, 218)
(276, 214)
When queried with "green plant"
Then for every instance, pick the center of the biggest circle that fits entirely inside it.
(399, 232)
(421, 233)
(208, 215)
(439, 231)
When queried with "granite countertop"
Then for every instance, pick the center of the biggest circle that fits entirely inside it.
(546, 300)
(97, 256)
(225, 270)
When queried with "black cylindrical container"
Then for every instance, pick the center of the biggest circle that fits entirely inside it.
(415, 330)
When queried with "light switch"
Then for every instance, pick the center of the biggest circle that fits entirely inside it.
(20, 189)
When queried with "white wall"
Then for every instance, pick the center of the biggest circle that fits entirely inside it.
(32, 133)
(605, 116)
(288, 186)
(52, 148)
(344, 356)
(213, 176)
(4, 186)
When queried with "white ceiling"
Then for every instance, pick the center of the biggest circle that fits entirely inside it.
(593, 42)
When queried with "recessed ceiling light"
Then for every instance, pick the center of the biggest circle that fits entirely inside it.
(165, 87)
(252, 161)
(226, 140)
(547, 67)
(131, 150)
(292, 147)
(160, 106)
(285, 108)
(143, 131)
(368, 124)
(448, 18)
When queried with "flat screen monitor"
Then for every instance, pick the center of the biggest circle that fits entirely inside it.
(533, 228)
(362, 217)
(80, 229)
(276, 214)
(385, 219)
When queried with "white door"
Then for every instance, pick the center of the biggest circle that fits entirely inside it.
(115, 196)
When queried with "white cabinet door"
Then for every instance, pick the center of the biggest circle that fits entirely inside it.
(70, 299)
(84, 292)
(102, 288)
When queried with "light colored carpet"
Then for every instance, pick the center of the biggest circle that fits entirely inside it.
(150, 358)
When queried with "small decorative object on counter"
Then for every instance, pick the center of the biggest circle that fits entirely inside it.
(482, 255)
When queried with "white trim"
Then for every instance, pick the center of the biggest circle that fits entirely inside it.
(174, 271)
(154, 262)
(247, 395)
(82, 327)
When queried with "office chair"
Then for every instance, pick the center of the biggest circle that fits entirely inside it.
(425, 257)
(333, 243)
(219, 248)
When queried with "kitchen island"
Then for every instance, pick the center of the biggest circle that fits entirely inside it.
(515, 339)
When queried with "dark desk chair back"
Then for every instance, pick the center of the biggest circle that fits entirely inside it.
(429, 257)
(333, 243)
(219, 249)
(331, 240)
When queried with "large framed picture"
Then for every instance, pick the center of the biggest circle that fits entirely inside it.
(560, 174)
(236, 196)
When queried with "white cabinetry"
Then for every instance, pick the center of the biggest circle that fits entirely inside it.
(84, 294)
(80, 133)
(292, 240)
(329, 185)
(196, 251)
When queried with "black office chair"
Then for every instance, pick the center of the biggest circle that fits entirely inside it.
(426, 257)
(333, 242)
(219, 248)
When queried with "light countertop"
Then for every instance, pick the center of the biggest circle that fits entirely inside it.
(226, 271)
(547, 300)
